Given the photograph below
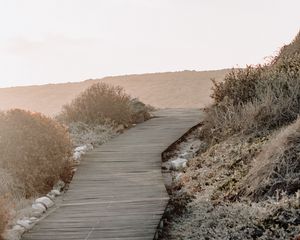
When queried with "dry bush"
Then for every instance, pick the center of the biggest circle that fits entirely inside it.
(10, 186)
(35, 150)
(275, 101)
(290, 49)
(277, 168)
(4, 215)
(238, 86)
(97, 105)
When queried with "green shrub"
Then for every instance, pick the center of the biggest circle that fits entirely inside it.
(35, 150)
(97, 105)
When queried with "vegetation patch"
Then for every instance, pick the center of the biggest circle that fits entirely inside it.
(245, 183)
(101, 104)
(4, 214)
(35, 150)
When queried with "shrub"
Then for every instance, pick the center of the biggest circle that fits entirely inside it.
(10, 186)
(277, 167)
(4, 215)
(256, 100)
(290, 49)
(35, 150)
(97, 105)
(238, 86)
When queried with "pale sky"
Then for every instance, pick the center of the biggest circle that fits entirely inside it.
(49, 41)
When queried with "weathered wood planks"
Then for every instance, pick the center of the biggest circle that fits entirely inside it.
(118, 190)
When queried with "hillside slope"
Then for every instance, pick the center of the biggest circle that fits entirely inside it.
(189, 89)
(240, 178)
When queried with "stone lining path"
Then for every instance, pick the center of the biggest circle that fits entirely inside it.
(118, 191)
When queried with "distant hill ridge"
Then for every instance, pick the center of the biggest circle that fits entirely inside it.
(185, 89)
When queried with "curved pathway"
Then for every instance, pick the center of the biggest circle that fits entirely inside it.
(118, 190)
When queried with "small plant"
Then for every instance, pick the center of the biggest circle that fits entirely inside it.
(35, 150)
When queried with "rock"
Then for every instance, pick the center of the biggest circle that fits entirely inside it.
(51, 196)
(178, 164)
(15, 233)
(77, 156)
(187, 155)
(38, 208)
(25, 223)
(55, 192)
(83, 149)
(46, 201)
(59, 185)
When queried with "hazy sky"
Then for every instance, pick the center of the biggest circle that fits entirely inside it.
(43, 41)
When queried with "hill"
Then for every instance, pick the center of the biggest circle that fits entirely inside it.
(189, 89)
(240, 178)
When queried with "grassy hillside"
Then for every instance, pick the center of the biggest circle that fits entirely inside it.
(245, 181)
(163, 90)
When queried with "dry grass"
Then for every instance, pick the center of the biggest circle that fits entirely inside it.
(10, 185)
(96, 135)
(4, 215)
(245, 183)
(35, 150)
(272, 100)
(276, 169)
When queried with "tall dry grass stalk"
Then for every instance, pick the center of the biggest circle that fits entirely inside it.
(276, 168)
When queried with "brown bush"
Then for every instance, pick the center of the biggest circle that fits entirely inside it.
(98, 104)
(4, 215)
(35, 150)
(276, 168)
(238, 86)
(256, 100)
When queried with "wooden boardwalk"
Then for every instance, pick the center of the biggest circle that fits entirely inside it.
(118, 190)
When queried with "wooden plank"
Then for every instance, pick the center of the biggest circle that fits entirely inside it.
(118, 191)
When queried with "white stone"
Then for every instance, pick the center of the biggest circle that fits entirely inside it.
(15, 233)
(178, 164)
(55, 192)
(39, 208)
(25, 223)
(187, 155)
(82, 148)
(77, 156)
(59, 185)
(33, 219)
(46, 201)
